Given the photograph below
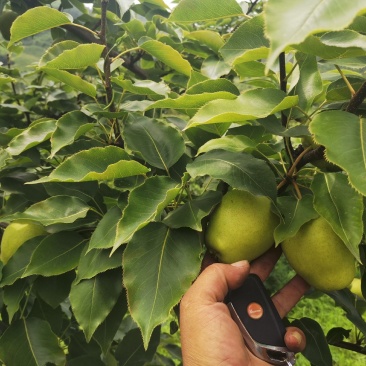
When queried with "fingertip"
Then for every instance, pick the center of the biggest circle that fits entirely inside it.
(241, 264)
(295, 339)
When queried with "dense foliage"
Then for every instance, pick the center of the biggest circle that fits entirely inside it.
(125, 133)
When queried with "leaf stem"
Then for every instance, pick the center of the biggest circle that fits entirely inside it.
(284, 119)
(107, 72)
(349, 86)
(125, 52)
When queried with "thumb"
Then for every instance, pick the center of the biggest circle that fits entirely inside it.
(213, 284)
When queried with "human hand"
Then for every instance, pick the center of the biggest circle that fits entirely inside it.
(209, 335)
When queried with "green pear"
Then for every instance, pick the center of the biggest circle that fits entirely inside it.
(241, 227)
(355, 287)
(318, 255)
(17, 233)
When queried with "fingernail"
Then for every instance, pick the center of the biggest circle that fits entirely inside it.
(240, 264)
(298, 337)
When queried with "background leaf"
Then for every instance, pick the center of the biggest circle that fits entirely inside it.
(188, 11)
(56, 254)
(145, 203)
(32, 136)
(299, 20)
(36, 20)
(36, 341)
(159, 144)
(317, 349)
(252, 104)
(168, 55)
(69, 127)
(93, 299)
(151, 262)
(295, 213)
(239, 170)
(96, 163)
(341, 206)
(65, 209)
(192, 212)
(348, 132)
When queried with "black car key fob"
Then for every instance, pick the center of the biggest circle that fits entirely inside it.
(259, 322)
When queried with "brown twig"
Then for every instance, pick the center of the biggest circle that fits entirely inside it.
(357, 99)
(289, 179)
(107, 72)
(284, 120)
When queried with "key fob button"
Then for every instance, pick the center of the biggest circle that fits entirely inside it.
(255, 310)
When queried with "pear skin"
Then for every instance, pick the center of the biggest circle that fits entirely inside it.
(318, 255)
(241, 227)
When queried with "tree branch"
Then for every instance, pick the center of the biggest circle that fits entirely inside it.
(350, 346)
(357, 99)
(283, 87)
(89, 38)
(252, 6)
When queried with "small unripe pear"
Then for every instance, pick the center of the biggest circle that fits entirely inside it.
(241, 227)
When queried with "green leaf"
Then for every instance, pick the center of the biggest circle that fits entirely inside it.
(99, 163)
(209, 38)
(239, 170)
(160, 144)
(30, 342)
(188, 11)
(35, 134)
(214, 68)
(338, 90)
(12, 296)
(310, 84)
(17, 264)
(56, 50)
(341, 206)
(346, 300)
(54, 290)
(300, 19)
(104, 234)
(312, 45)
(295, 213)
(96, 261)
(76, 82)
(145, 204)
(85, 191)
(167, 55)
(56, 254)
(344, 39)
(36, 20)
(106, 331)
(83, 55)
(234, 143)
(317, 350)
(5, 79)
(252, 104)
(247, 43)
(143, 87)
(346, 145)
(192, 212)
(53, 210)
(69, 128)
(131, 352)
(191, 101)
(93, 299)
(213, 86)
(159, 266)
